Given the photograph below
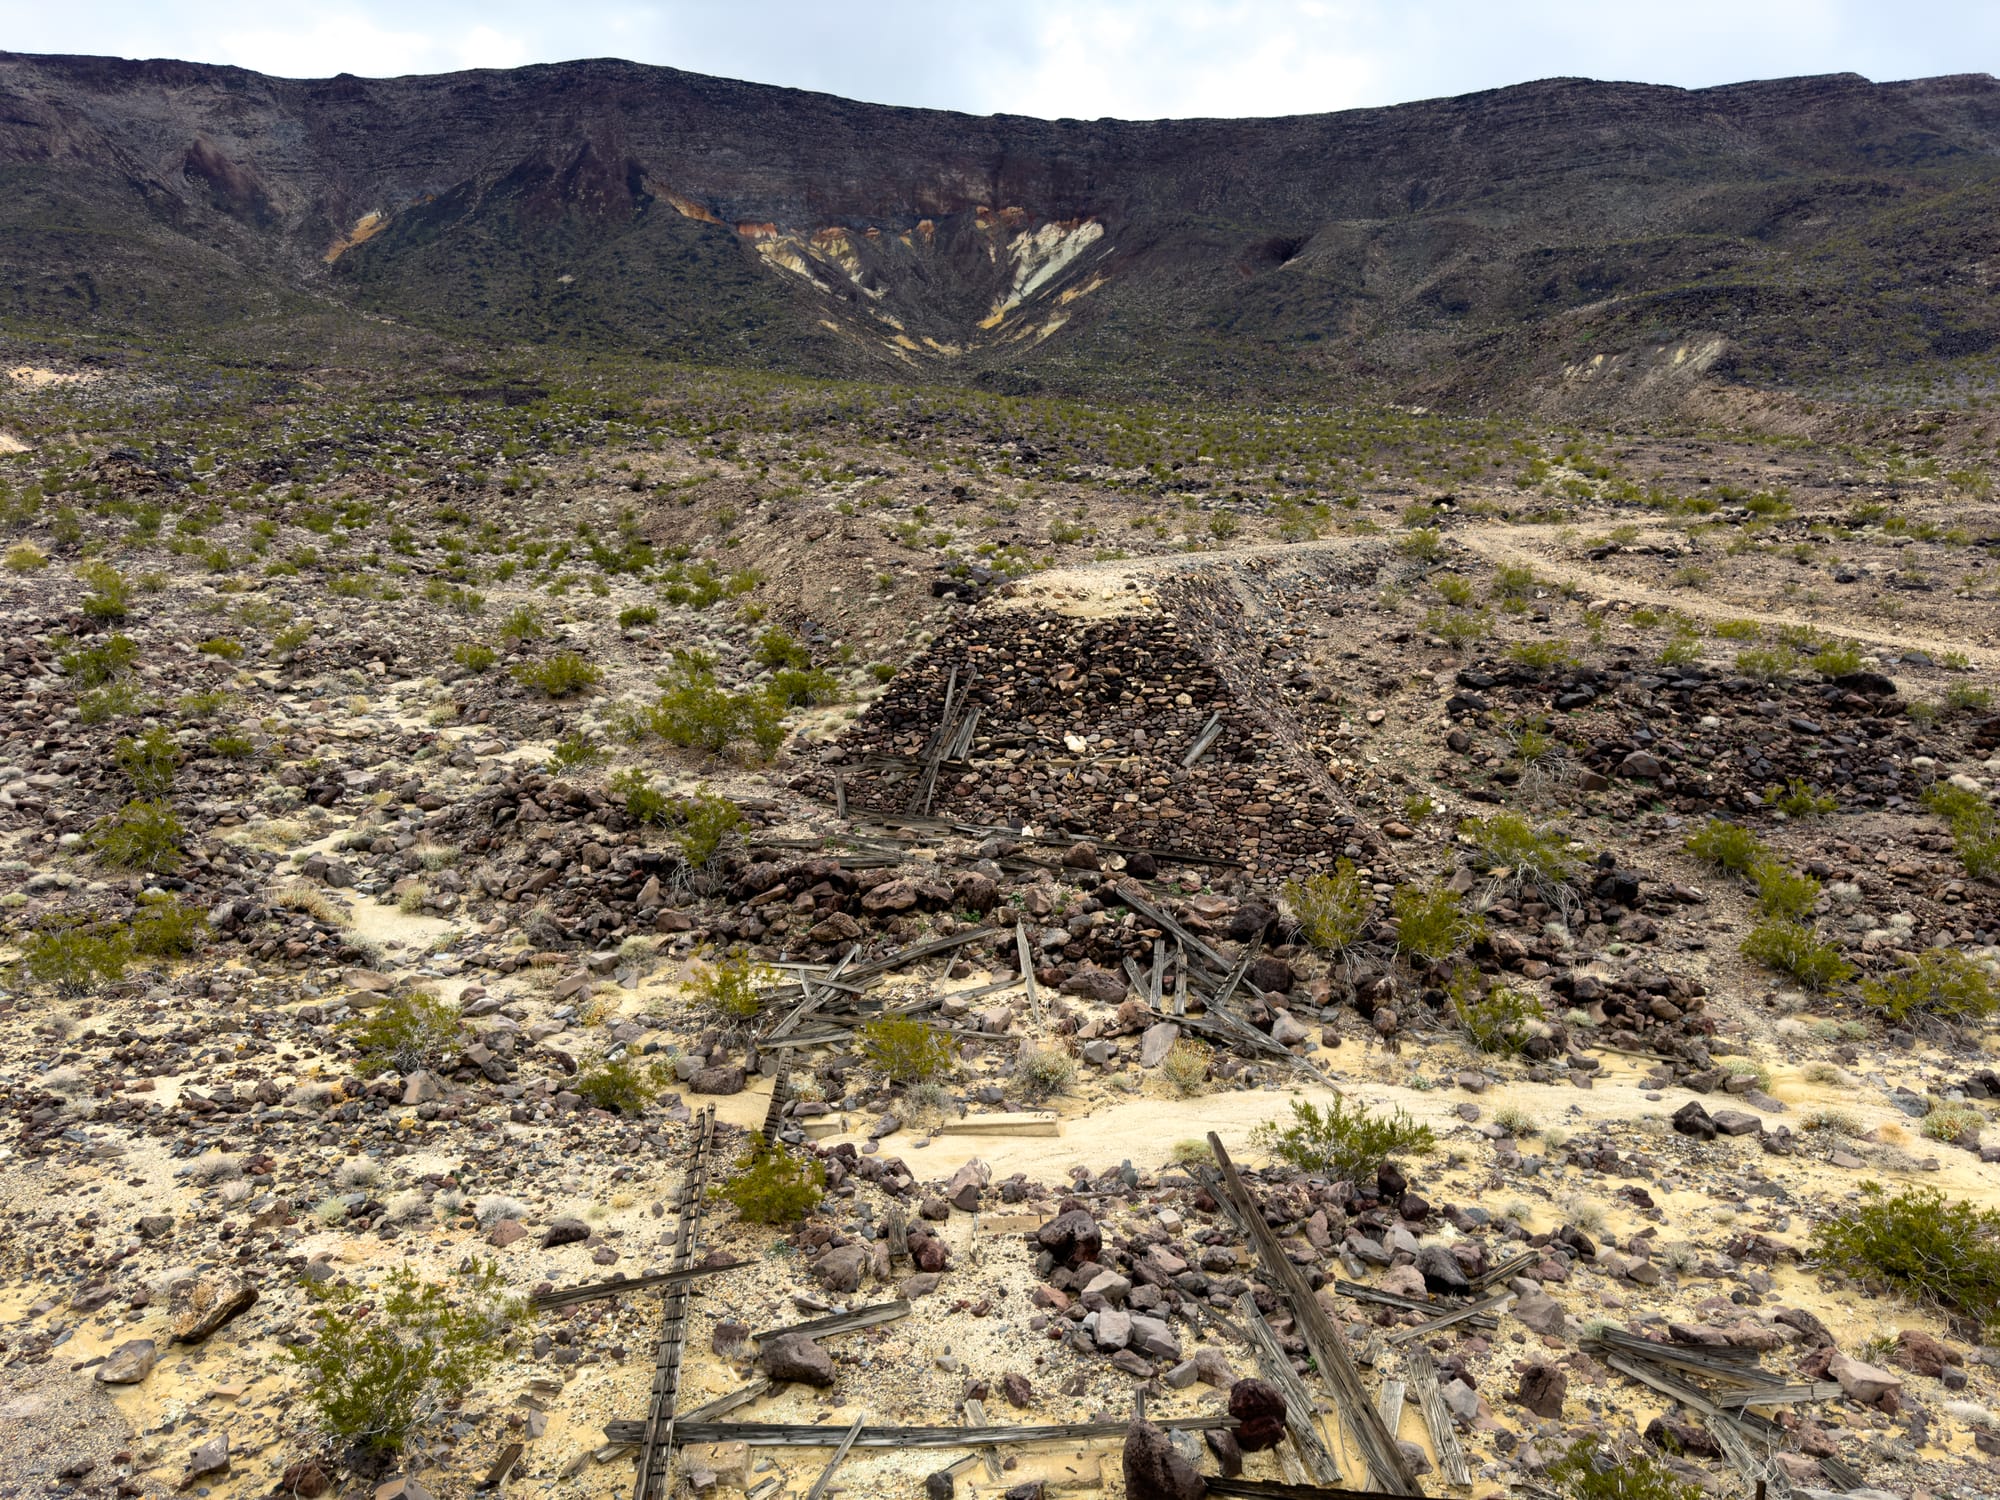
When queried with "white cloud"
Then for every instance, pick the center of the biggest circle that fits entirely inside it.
(354, 42)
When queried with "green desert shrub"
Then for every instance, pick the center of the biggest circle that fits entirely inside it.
(701, 824)
(644, 802)
(164, 926)
(522, 624)
(1585, 1473)
(623, 1086)
(1494, 1018)
(778, 650)
(149, 761)
(1794, 948)
(1837, 659)
(375, 1381)
(576, 749)
(110, 596)
(144, 834)
(560, 675)
(1331, 910)
(1782, 891)
(1799, 798)
(1343, 1140)
(906, 1049)
(1975, 829)
(474, 656)
(1543, 656)
(773, 1185)
(728, 985)
(1729, 847)
(407, 1031)
(1942, 982)
(1932, 1250)
(1424, 544)
(804, 688)
(93, 666)
(1431, 924)
(1511, 842)
(74, 958)
(1766, 663)
(228, 745)
(637, 615)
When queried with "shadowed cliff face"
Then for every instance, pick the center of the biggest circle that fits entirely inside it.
(1822, 229)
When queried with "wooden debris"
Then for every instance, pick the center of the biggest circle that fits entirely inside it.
(1421, 1374)
(1300, 1419)
(834, 1323)
(795, 1435)
(818, 1491)
(656, 1434)
(1385, 1460)
(570, 1296)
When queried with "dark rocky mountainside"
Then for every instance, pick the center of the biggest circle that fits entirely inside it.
(1828, 231)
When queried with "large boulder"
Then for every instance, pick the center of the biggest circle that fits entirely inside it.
(1919, 1353)
(1863, 1382)
(1542, 1389)
(202, 1304)
(1071, 1237)
(1259, 1407)
(793, 1356)
(1154, 1470)
(840, 1270)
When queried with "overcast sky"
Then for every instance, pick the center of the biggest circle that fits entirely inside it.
(1083, 58)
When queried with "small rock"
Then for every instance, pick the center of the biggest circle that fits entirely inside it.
(505, 1232)
(565, 1232)
(1865, 1383)
(1542, 1390)
(130, 1363)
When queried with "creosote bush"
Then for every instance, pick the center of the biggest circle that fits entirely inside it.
(408, 1031)
(75, 958)
(1794, 948)
(1932, 1250)
(141, 835)
(1583, 1473)
(1782, 891)
(1331, 910)
(728, 985)
(1342, 1141)
(622, 1086)
(773, 1185)
(165, 926)
(1799, 798)
(906, 1049)
(149, 762)
(383, 1361)
(1496, 1018)
(1430, 923)
(560, 675)
(1941, 983)
(1975, 828)
(1730, 847)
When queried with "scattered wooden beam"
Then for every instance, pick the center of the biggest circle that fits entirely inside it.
(818, 1491)
(1210, 733)
(1027, 958)
(795, 1435)
(1404, 1335)
(1385, 1460)
(570, 1296)
(1015, 1123)
(1300, 1412)
(656, 1434)
(1422, 1376)
(833, 1323)
(1782, 1395)
(729, 1401)
(1389, 1402)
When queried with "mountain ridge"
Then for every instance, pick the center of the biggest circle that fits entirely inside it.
(635, 207)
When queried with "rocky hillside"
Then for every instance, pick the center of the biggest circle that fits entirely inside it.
(1563, 235)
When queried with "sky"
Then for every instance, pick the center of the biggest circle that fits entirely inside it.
(1133, 59)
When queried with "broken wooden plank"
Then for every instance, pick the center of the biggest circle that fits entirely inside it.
(847, 1322)
(1124, 891)
(1389, 1402)
(1020, 1122)
(1027, 958)
(1494, 1275)
(1386, 1462)
(729, 1401)
(929, 948)
(570, 1296)
(1210, 733)
(656, 1433)
(1781, 1395)
(1421, 1374)
(1459, 1315)
(818, 1491)
(1300, 1412)
(1271, 1489)
(794, 1435)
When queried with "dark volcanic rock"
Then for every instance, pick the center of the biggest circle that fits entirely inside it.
(1154, 1471)
(1260, 1408)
